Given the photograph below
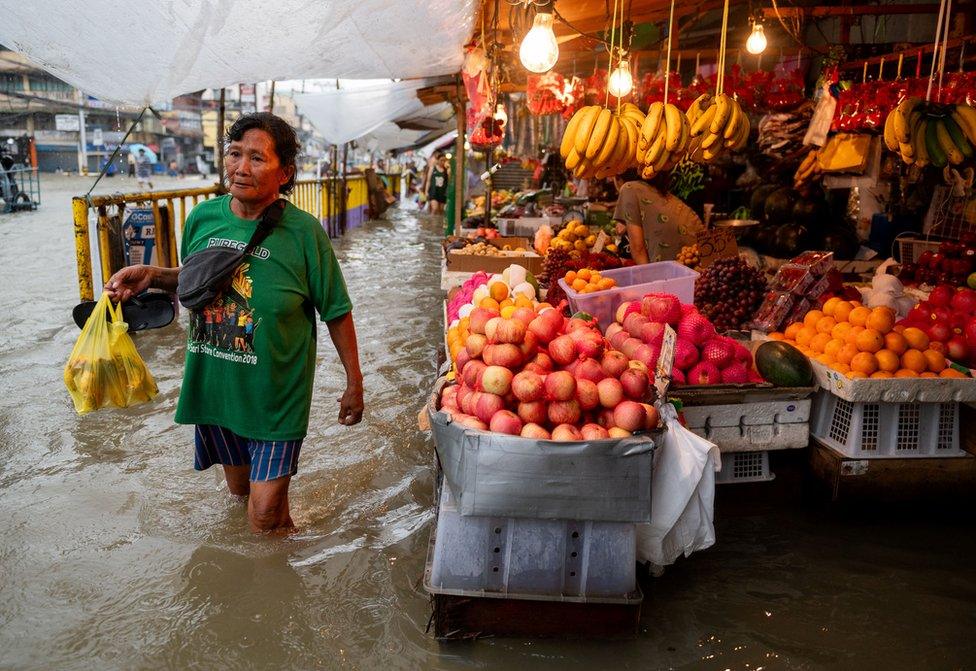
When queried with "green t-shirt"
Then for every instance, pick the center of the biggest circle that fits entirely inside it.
(250, 357)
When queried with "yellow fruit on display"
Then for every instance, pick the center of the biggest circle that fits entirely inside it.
(930, 133)
(600, 142)
(717, 123)
(663, 140)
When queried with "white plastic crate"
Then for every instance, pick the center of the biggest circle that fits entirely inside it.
(633, 283)
(739, 467)
(886, 430)
(747, 427)
(552, 558)
(910, 248)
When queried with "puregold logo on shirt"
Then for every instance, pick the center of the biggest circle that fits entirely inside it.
(259, 252)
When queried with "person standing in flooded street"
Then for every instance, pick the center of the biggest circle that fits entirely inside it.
(248, 391)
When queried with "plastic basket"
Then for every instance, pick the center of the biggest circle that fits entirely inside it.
(739, 467)
(909, 248)
(633, 282)
(531, 556)
(886, 430)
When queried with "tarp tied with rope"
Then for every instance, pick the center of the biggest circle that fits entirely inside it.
(145, 51)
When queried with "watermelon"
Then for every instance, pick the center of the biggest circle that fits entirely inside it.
(783, 365)
(778, 208)
(790, 240)
(757, 202)
(843, 242)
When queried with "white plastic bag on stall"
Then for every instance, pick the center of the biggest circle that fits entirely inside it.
(682, 495)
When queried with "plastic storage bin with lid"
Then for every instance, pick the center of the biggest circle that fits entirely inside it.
(633, 283)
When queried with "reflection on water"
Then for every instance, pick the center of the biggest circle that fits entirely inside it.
(115, 554)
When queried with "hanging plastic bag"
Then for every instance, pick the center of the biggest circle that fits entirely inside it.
(104, 367)
(823, 116)
(682, 495)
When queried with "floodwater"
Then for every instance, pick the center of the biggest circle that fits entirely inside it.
(115, 554)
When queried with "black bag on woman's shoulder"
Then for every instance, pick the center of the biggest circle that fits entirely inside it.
(209, 272)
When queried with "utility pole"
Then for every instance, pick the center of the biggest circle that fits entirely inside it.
(271, 98)
(220, 137)
(82, 138)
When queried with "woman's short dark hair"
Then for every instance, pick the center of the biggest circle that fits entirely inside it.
(284, 138)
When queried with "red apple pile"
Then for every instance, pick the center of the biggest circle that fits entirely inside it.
(952, 263)
(701, 356)
(949, 318)
(547, 377)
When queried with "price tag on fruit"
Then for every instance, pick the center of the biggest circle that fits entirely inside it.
(714, 244)
(601, 240)
(665, 362)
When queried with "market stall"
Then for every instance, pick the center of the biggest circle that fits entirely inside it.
(825, 295)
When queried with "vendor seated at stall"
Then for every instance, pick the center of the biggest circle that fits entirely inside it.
(658, 223)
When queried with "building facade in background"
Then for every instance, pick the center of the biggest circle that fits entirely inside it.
(73, 132)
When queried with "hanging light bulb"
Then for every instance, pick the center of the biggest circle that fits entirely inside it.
(756, 44)
(539, 50)
(500, 114)
(621, 82)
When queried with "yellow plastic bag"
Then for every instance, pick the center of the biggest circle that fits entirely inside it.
(845, 152)
(104, 367)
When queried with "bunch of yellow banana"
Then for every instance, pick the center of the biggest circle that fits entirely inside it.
(599, 143)
(809, 168)
(717, 123)
(663, 139)
(926, 133)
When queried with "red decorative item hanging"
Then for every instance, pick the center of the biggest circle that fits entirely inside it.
(474, 73)
(595, 87)
(652, 90)
(573, 96)
(488, 133)
(543, 93)
(786, 91)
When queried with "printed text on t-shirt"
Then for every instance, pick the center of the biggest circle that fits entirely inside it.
(259, 252)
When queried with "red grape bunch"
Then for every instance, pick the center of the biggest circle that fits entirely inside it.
(729, 292)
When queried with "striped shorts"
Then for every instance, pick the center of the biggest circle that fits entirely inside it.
(268, 459)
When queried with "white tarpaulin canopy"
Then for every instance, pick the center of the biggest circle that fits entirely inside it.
(350, 113)
(145, 51)
(371, 111)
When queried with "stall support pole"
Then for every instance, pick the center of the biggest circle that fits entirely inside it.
(488, 187)
(220, 137)
(344, 202)
(460, 177)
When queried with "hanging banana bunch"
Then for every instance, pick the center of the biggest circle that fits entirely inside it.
(600, 143)
(717, 123)
(663, 140)
(808, 169)
(927, 133)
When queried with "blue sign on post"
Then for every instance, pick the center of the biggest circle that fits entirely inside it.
(139, 233)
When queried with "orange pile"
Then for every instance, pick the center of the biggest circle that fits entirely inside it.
(587, 281)
(862, 342)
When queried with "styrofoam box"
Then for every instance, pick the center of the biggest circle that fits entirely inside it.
(746, 427)
(886, 430)
(633, 283)
(527, 556)
(894, 390)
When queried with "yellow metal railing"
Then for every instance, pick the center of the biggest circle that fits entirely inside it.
(328, 199)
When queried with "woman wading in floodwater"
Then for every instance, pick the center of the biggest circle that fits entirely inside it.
(247, 384)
